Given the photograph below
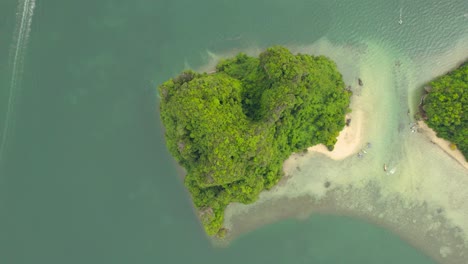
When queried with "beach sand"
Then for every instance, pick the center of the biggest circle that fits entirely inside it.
(349, 141)
(423, 199)
(442, 143)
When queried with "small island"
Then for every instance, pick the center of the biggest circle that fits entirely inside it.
(444, 107)
(232, 129)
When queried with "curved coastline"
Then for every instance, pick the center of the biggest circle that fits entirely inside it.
(246, 119)
(419, 204)
(349, 141)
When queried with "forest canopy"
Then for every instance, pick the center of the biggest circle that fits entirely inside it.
(233, 129)
(446, 107)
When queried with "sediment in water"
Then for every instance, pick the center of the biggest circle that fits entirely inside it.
(423, 199)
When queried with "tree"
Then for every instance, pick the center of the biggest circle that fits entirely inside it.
(232, 130)
(446, 107)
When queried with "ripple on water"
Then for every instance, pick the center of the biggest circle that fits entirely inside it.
(423, 200)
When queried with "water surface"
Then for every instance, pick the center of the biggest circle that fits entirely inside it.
(84, 173)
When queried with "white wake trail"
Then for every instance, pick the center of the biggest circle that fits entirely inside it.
(22, 29)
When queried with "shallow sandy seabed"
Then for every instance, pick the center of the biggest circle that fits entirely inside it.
(443, 144)
(422, 195)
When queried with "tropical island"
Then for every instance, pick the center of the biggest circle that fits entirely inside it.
(444, 107)
(231, 130)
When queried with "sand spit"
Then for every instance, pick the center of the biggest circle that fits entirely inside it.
(442, 143)
(423, 195)
(422, 225)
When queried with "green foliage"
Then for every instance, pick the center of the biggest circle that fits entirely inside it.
(446, 107)
(232, 130)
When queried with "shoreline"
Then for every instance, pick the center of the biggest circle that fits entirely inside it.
(442, 144)
(432, 234)
(417, 201)
(349, 141)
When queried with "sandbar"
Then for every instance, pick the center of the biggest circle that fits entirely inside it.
(423, 200)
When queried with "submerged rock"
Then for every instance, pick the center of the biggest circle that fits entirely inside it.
(360, 82)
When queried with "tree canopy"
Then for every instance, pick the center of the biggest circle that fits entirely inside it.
(446, 107)
(233, 129)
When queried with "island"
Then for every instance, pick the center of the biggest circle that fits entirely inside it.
(232, 129)
(444, 107)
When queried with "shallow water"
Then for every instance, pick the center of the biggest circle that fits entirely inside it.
(85, 176)
(422, 196)
(423, 199)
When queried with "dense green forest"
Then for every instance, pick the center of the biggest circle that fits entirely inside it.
(233, 129)
(446, 107)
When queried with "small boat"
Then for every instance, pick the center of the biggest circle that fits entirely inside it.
(385, 167)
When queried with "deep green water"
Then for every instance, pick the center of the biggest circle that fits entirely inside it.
(84, 173)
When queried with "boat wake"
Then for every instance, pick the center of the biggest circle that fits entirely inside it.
(20, 40)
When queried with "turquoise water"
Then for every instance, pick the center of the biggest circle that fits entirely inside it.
(84, 173)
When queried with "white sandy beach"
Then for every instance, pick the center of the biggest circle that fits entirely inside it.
(423, 200)
(349, 141)
(442, 143)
